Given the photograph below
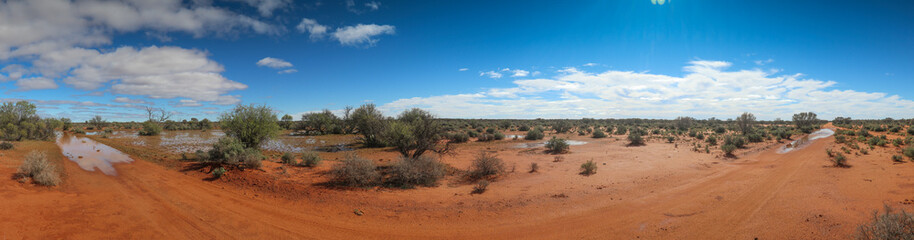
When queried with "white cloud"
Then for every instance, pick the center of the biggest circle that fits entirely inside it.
(362, 34)
(707, 89)
(763, 62)
(287, 71)
(273, 63)
(314, 29)
(463, 69)
(35, 83)
(520, 73)
(156, 72)
(491, 74)
(373, 5)
(590, 64)
(129, 100)
(266, 7)
(187, 103)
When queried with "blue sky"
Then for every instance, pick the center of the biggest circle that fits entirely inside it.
(470, 59)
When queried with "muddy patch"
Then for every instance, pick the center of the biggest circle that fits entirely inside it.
(543, 144)
(806, 140)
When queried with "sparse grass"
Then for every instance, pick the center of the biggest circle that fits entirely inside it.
(355, 171)
(421, 171)
(589, 168)
(839, 160)
(486, 166)
(37, 167)
(6, 146)
(534, 167)
(889, 225)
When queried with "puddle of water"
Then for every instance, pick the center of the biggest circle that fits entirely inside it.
(543, 144)
(512, 137)
(91, 155)
(806, 140)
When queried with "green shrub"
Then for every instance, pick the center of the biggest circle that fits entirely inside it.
(288, 158)
(700, 136)
(890, 225)
(839, 160)
(20, 121)
(370, 124)
(755, 137)
(490, 130)
(485, 137)
(499, 136)
(534, 134)
(670, 139)
(897, 158)
(736, 141)
(251, 124)
(37, 167)
(421, 171)
(635, 139)
(588, 168)
(226, 150)
(599, 133)
(557, 146)
(908, 152)
(711, 140)
(472, 134)
(720, 130)
(150, 128)
(910, 130)
(460, 137)
(6, 146)
(355, 172)
(728, 149)
(310, 159)
(251, 158)
(486, 165)
(219, 172)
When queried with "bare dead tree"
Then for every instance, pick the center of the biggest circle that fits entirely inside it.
(157, 114)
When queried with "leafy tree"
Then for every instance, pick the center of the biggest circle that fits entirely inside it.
(805, 121)
(20, 121)
(684, 123)
(745, 123)
(370, 124)
(251, 124)
(322, 122)
(415, 132)
(98, 122)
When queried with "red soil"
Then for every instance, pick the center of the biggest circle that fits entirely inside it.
(655, 191)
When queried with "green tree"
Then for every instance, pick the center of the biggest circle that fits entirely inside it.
(745, 123)
(322, 122)
(805, 121)
(251, 124)
(414, 133)
(370, 123)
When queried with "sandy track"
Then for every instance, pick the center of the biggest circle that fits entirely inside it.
(765, 195)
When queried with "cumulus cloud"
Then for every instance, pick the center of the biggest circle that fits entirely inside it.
(35, 83)
(314, 29)
(155, 72)
(187, 103)
(491, 74)
(519, 73)
(362, 34)
(707, 89)
(273, 63)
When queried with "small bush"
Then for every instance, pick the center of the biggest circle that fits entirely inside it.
(534, 167)
(839, 160)
(534, 134)
(909, 152)
(310, 159)
(588, 168)
(150, 128)
(557, 146)
(355, 172)
(499, 136)
(219, 172)
(711, 140)
(202, 156)
(485, 137)
(736, 141)
(288, 158)
(460, 137)
(6, 146)
(635, 139)
(670, 139)
(599, 133)
(480, 187)
(728, 149)
(472, 134)
(251, 158)
(37, 167)
(486, 165)
(897, 158)
(421, 171)
(890, 225)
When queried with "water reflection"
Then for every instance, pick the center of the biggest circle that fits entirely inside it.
(806, 140)
(91, 155)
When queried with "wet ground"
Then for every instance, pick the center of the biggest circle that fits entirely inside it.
(806, 140)
(91, 155)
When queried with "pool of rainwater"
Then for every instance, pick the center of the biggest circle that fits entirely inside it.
(543, 144)
(806, 140)
(89, 154)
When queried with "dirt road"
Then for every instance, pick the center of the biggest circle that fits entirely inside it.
(761, 195)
